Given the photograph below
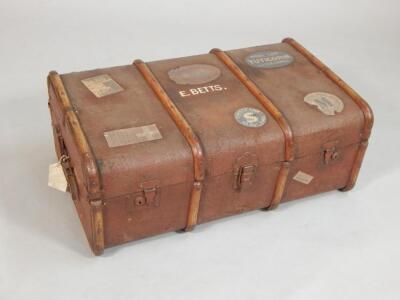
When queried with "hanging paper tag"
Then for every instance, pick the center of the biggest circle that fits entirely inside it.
(57, 178)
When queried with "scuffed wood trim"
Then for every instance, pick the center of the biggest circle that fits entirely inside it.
(190, 136)
(275, 113)
(360, 102)
(93, 181)
(97, 244)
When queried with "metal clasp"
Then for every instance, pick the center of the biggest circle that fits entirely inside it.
(331, 153)
(245, 177)
(70, 176)
(244, 171)
(149, 195)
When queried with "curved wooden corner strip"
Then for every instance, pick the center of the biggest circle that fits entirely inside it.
(90, 167)
(275, 113)
(280, 184)
(366, 110)
(264, 101)
(364, 107)
(356, 167)
(89, 164)
(55, 80)
(97, 244)
(188, 133)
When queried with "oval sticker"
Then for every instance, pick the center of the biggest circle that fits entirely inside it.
(326, 103)
(269, 59)
(194, 74)
(250, 117)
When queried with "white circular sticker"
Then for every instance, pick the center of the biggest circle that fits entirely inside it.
(326, 103)
(250, 117)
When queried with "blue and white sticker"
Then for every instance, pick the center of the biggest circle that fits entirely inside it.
(250, 117)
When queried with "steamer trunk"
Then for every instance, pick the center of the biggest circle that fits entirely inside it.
(163, 146)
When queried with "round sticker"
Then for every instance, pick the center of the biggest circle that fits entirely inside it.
(269, 59)
(326, 103)
(250, 117)
(194, 74)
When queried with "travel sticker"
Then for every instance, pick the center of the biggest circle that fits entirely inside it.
(194, 74)
(326, 103)
(269, 59)
(133, 135)
(250, 117)
(102, 85)
(303, 177)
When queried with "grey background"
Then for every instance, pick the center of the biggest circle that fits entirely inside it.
(331, 246)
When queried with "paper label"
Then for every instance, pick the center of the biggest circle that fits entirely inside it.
(194, 74)
(57, 178)
(134, 135)
(250, 117)
(326, 103)
(102, 85)
(269, 59)
(303, 177)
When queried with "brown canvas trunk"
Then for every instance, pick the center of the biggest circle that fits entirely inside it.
(163, 146)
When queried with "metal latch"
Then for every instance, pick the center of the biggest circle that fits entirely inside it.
(245, 177)
(65, 162)
(59, 141)
(331, 154)
(244, 171)
(149, 196)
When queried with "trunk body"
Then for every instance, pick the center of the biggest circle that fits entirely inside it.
(163, 146)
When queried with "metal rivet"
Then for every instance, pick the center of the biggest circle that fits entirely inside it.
(140, 200)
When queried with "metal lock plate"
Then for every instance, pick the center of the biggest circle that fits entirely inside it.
(149, 196)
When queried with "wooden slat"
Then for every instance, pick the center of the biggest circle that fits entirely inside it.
(368, 115)
(190, 136)
(364, 107)
(89, 164)
(97, 226)
(275, 113)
